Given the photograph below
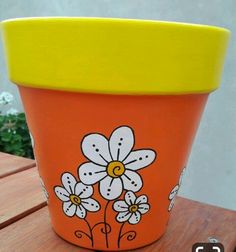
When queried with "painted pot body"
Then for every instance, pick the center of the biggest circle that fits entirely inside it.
(71, 130)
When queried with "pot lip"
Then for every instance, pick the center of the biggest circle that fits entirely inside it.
(117, 20)
(114, 55)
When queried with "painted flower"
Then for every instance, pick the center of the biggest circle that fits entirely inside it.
(32, 139)
(132, 208)
(76, 197)
(113, 163)
(44, 188)
(175, 190)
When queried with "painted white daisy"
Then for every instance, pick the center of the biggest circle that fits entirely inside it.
(175, 190)
(113, 162)
(44, 188)
(132, 208)
(76, 197)
(32, 139)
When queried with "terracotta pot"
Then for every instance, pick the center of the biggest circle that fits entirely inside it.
(113, 106)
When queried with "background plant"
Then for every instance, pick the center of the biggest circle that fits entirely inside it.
(14, 132)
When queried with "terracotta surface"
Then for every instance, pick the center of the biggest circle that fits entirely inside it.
(165, 125)
(190, 221)
(10, 164)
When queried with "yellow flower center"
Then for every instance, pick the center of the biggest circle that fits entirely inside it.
(115, 169)
(133, 208)
(75, 199)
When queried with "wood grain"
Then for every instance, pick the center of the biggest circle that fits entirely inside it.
(10, 164)
(190, 222)
(34, 233)
(193, 222)
(22, 199)
(21, 194)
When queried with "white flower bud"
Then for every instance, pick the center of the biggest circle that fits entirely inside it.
(6, 98)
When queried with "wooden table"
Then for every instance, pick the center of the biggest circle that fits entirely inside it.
(25, 226)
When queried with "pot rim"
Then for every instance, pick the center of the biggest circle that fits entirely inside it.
(114, 55)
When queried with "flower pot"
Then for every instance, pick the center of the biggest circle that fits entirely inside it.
(113, 106)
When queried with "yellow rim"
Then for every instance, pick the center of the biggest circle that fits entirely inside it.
(117, 56)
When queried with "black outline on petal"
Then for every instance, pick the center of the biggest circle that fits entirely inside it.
(143, 203)
(127, 176)
(123, 207)
(148, 206)
(66, 214)
(169, 209)
(176, 192)
(146, 165)
(56, 194)
(137, 222)
(129, 206)
(83, 151)
(117, 201)
(92, 199)
(128, 212)
(80, 182)
(178, 184)
(77, 182)
(87, 163)
(110, 138)
(80, 205)
(134, 195)
(63, 184)
(109, 187)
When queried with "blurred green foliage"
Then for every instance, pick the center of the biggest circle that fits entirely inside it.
(14, 135)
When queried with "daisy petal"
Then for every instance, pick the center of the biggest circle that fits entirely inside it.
(95, 148)
(121, 143)
(174, 192)
(90, 204)
(139, 159)
(111, 188)
(44, 189)
(83, 191)
(124, 216)
(130, 198)
(69, 208)
(61, 193)
(69, 182)
(120, 206)
(32, 139)
(181, 176)
(135, 218)
(81, 212)
(143, 208)
(91, 173)
(171, 204)
(132, 181)
(141, 199)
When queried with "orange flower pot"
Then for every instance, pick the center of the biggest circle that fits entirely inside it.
(113, 107)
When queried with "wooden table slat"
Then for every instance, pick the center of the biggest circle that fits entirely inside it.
(21, 194)
(10, 164)
(193, 222)
(190, 222)
(34, 233)
(25, 224)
